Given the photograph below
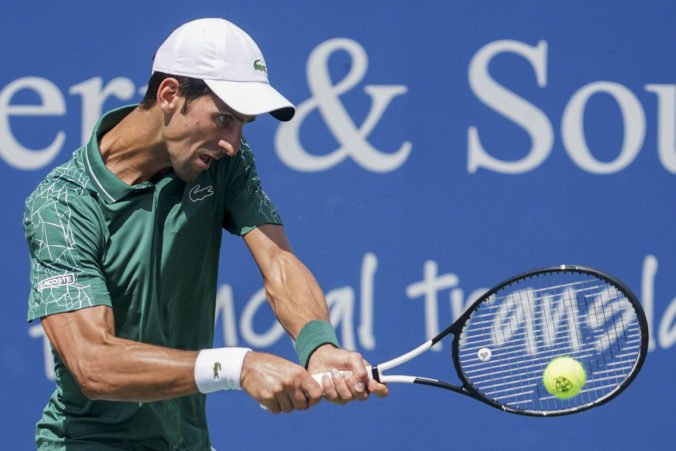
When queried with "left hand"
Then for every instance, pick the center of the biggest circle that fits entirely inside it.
(339, 389)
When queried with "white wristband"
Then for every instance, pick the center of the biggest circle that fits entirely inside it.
(219, 369)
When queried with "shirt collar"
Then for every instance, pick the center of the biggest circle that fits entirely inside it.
(108, 184)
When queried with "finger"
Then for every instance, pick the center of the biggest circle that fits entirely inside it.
(313, 391)
(359, 379)
(378, 389)
(359, 369)
(340, 384)
(285, 404)
(271, 406)
(356, 379)
(357, 388)
(299, 400)
(330, 392)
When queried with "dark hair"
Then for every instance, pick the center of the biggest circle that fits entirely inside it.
(190, 88)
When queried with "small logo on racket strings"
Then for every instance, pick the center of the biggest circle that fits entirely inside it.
(484, 354)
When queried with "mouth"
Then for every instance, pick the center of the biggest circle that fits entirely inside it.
(206, 160)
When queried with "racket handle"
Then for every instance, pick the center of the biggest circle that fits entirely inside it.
(345, 373)
(319, 376)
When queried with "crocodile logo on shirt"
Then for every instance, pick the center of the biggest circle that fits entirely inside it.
(197, 193)
(217, 368)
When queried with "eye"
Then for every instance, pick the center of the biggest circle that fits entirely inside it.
(224, 119)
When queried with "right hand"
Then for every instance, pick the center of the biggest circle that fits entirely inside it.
(278, 384)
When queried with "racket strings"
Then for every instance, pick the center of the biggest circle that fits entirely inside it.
(600, 337)
(538, 319)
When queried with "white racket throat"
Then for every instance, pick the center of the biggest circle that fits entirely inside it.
(376, 372)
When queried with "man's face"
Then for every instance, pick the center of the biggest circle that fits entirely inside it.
(207, 131)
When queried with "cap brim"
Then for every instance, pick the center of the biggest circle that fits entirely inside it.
(252, 98)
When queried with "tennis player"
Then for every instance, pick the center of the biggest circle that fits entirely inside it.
(124, 244)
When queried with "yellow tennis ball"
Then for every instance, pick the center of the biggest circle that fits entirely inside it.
(564, 377)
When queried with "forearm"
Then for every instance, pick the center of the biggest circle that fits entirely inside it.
(294, 294)
(125, 370)
(117, 369)
(292, 290)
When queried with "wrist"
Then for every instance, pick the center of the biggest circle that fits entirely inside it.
(313, 335)
(219, 369)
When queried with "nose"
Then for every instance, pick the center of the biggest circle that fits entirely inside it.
(230, 141)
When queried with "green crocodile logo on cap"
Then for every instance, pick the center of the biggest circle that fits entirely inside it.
(259, 66)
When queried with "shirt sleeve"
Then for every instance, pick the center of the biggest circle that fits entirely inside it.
(247, 206)
(65, 243)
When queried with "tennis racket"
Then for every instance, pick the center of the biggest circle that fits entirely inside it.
(504, 341)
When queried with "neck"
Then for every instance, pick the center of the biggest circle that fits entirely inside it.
(133, 150)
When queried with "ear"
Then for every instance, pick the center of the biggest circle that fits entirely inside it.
(168, 97)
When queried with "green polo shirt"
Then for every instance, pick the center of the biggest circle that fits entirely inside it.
(150, 251)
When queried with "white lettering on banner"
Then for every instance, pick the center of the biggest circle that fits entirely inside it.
(648, 295)
(51, 104)
(539, 128)
(610, 303)
(341, 304)
(369, 266)
(352, 139)
(666, 333)
(341, 311)
(513, 107)
(538, 325)
(263, 340)
(225, 308)
(433, 282)
(429, 287)
(572, 128)
(666, 117)
(556, 310)
(516, 310)
(94, 95)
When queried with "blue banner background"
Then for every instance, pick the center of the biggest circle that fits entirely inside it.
(369, 231)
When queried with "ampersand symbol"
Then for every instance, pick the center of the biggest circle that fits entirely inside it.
(326, 97)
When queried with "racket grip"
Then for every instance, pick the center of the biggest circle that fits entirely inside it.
(319, 376)
(345, 373)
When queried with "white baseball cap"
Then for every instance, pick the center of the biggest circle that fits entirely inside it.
(229, 62)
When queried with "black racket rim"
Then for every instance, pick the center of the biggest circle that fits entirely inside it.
(469, 390)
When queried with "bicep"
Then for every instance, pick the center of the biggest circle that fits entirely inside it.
(76, 335)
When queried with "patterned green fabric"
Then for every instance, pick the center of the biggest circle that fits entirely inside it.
(149, 251)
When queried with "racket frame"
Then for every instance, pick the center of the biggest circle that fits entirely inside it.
(466, 387)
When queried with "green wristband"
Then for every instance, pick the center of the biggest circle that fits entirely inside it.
(313, 335)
